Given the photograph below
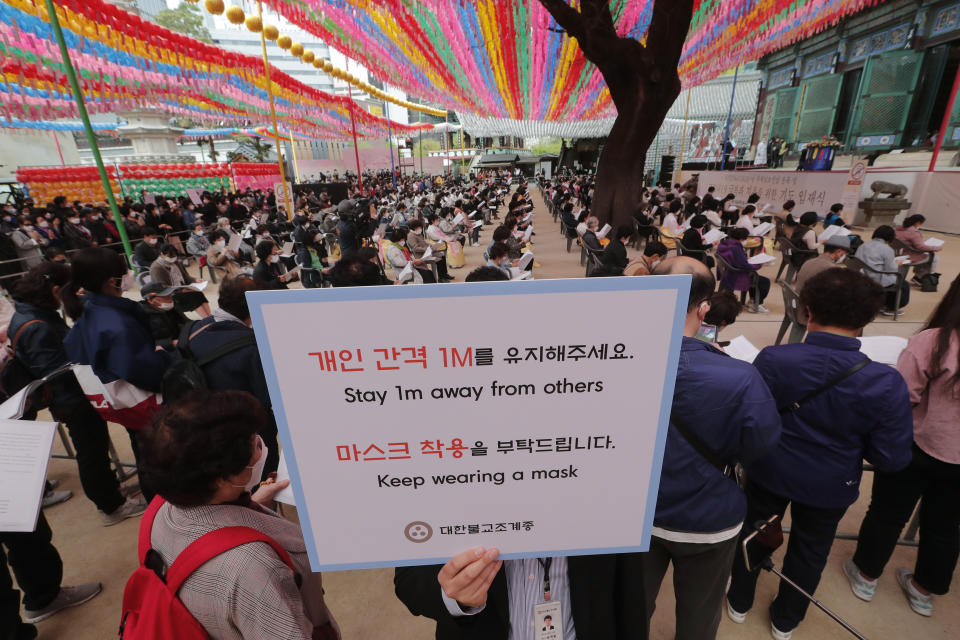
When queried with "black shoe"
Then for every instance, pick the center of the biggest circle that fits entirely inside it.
(447, 279)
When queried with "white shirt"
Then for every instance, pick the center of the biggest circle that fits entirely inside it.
(745, 222)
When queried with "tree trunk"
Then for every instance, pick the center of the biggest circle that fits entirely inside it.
(643, 84)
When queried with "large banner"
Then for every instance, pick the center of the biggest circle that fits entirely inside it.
(811, 190)
(418, 421)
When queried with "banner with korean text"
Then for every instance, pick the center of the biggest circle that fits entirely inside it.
(811, 190)
(418, 421)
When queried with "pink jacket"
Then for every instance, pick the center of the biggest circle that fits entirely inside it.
(912, 237)
(935, 398)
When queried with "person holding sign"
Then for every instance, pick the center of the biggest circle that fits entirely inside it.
(484, 598)
(700, 509)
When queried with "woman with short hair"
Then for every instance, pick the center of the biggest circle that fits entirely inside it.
(204, 457)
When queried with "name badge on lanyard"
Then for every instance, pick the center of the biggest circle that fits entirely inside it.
(548, 615)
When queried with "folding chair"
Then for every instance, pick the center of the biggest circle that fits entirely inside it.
(791, 301)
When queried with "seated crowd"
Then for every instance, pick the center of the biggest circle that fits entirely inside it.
(800, 420)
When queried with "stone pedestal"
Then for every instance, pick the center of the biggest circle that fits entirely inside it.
(882, 211)
(151, 134)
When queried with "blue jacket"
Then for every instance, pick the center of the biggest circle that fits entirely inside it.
(113, 337)
(818, 461)
(241, 369)
(725, 402)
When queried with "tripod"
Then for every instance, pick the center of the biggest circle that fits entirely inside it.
(768, 565)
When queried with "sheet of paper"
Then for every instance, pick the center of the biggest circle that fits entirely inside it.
(933, 242)
(199, 286)
(194, 195)
(525, 260)
(831, 231)
(285, 495)
(296, 269)
(428, 253)
(478, 223)
(713, 236)
(762, 258)
(762, 229)
(287, 249)
(457, 219)
(24, 454)
(603, 232)
(742, 349)
(15, 405)
(406, 273)
(885, 349)
(518, 274)
(234, 244)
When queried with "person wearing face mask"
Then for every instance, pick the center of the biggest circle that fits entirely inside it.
(77, 235)
(197, 243)
(398, 255)
(28, 243)
(165, 319)
(145, 253)
(220, 256)
(205, 457)
(42, 226)
(120, 368)
(238, 365)
(498, 257)
(699, 511)
(269, 273)
(835, 251)
(653, 253)
(39, 331)
(168, 270)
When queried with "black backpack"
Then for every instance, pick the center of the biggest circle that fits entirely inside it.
(187, 375)
(929, 282)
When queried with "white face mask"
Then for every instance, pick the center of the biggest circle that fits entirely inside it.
(164, 306)
(170, 260)
(151, 241)
(74, 220)
(842, 257)
(221, 243)
(44, 224)
(256, 469)
(274, 259)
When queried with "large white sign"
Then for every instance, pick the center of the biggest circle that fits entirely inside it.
(419, 421)
(811, 190)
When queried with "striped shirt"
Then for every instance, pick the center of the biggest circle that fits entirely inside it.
(524, 591)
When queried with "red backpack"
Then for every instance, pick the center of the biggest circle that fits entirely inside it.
(151, 608)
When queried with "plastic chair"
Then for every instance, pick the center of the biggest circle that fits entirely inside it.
(787, 251)
(693, 253)
(791, 300)
(902, 249)
(723, 266)
(593, 261)
(895, 288)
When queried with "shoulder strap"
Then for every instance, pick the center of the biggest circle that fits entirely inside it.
(210, 545)
(699, 445)
(225, 348)
(793, 406)
(16, 336)
(146, 526)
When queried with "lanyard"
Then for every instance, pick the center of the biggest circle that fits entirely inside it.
(546, 576)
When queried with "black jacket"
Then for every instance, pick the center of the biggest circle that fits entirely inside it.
(144, 254)
(267, 276)
(606, 593)
(40, 348)
(165, 326)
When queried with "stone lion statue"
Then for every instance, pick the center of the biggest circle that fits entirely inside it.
(894, 191)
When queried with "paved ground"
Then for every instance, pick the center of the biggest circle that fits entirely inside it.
(363, 601)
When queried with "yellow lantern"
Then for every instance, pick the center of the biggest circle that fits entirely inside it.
(296, 49)
(336, 73)
(214, 6)
(254, 24)
(317, 63)
(235, 15)
(352, 79)
(90, 31)
(270, 32)
(327, 66)
(284, 42)
(307, 56)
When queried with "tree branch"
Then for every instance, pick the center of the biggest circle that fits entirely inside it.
(668, 28)
(566, 16)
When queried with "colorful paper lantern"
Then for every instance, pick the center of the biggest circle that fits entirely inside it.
(254, 24)
(235, 14)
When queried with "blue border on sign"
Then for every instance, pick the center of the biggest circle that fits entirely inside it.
(258, 299)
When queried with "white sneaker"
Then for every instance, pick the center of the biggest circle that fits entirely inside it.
(51, 498)
(861, 587)
(762, 309)
(129, 509)
(920, 603)
(68, 597)
(779, 635)
(735, 615)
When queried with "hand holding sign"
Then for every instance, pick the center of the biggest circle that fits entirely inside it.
(467, 576)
